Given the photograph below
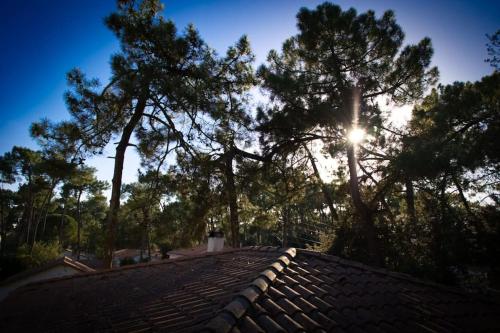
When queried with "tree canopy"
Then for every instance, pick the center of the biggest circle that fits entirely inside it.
(421, 198)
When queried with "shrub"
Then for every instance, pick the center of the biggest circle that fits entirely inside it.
(127, 261)
(39, 255)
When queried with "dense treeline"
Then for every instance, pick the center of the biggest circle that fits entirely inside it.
(422, 198)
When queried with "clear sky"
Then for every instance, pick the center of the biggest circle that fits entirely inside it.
(41, 40)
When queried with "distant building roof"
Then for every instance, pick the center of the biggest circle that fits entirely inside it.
(63, 266)
(247, 290)
(62, 261)
(87, 259)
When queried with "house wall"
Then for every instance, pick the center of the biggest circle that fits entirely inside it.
(53, 272)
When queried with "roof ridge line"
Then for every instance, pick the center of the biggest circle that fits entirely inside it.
(139, 265)
(398, 275)
(229, 316)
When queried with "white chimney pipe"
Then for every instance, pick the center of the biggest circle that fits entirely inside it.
(215, 241)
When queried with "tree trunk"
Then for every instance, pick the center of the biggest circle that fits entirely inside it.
(147, 223)
(114, 202)
(434, 219)
(438, 241)
(45, 203)
(410, 200)
(62, 222)
(30, 220)
(29, 212)
(148, 231)
(79, 224)
(232, 200)
(475, 221)
(285, 227)
(143, 243)
(363, 211)
(47, 208)
(326, 193)
(45, 220)
(3, 231)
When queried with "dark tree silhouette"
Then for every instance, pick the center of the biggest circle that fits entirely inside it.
(155, 63)
(493, 48)
(328, 76)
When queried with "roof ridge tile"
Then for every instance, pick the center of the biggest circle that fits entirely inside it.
(251, 293)
(229, 316)
(261, 283)
(277, 266)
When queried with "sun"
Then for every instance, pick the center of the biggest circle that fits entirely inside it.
(356, 135)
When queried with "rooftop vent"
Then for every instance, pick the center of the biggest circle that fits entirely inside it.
(215, 241)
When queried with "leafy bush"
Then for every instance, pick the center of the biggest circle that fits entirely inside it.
(127, 261)
(39, 255)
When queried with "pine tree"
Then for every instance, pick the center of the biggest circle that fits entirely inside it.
(327, 79)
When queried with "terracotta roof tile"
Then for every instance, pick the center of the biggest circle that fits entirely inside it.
(336, 294)
(304, 305)
(162, 295)
(286, 304)
(248, 290)
(307, 322)
(268, 324)
(288, 324)
(289, 292)
(248, 325)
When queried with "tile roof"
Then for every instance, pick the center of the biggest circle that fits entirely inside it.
(172, 295)
(62, 261)
(248, 290)
(310, 292)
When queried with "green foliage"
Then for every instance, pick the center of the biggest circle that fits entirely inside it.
(127, 261)
(456, 127)
(426, 194)
(493, 48)
(60, 228)
(335, 52)
(40, 254)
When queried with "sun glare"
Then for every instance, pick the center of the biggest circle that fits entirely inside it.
(356, 135)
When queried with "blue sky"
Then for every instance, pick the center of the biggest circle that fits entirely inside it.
(41, 40)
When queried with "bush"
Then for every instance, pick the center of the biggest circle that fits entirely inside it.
(127, 261)
(39, 255)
